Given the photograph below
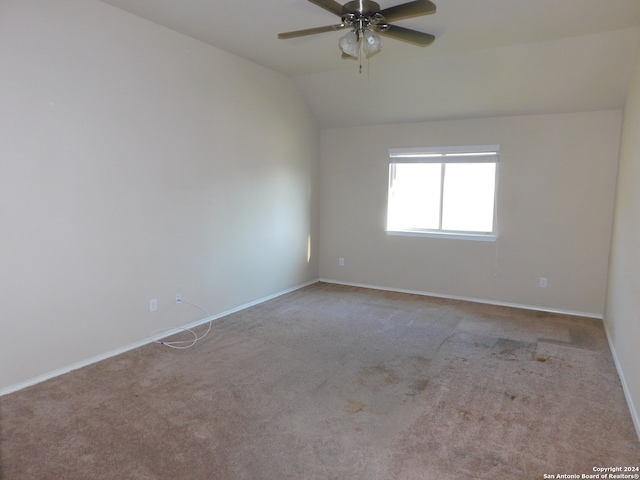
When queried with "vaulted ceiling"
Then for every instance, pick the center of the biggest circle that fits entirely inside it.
(490, 57)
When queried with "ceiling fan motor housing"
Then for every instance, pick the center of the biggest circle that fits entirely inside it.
(362, 7)
(361, 14)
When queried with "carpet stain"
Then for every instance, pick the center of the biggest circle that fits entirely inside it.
(418, 386)
(512, 350)
(379, 372)
(353, 406)
(584, 337)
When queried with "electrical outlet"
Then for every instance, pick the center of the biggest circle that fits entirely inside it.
(341, 262)
(153, 305)
(543, 282)
(178, 297)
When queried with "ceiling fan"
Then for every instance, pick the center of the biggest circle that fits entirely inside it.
(365, 19)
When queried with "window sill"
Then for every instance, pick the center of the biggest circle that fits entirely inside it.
(478, 237)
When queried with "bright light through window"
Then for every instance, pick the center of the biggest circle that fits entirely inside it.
(467, 203)
(414, 196)
(441, 191)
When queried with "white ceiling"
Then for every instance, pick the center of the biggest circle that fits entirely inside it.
(490, 57)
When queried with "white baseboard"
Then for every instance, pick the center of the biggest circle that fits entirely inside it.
(69, 368)
(133, 346)
(625, 389)
(154, 338)
(469, 299)
(212, 318)
(113, 353)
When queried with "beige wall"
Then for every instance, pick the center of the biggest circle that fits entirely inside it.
(622, 318)
(555, 208)
(137, 163)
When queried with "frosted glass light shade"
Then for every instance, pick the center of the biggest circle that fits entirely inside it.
(349, 43)
(371, 43)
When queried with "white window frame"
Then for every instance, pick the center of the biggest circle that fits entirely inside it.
(450, 154)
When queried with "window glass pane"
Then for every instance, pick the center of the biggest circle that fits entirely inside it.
(468, 198)
(414, 196)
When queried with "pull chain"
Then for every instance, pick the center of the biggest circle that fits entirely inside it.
(360, 48)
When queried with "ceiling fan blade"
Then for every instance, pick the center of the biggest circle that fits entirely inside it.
(407, 35)
(330, 5)
(311, 31)
(408, 10)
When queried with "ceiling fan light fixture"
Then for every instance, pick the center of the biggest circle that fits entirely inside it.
(349, 43)
(365, 18)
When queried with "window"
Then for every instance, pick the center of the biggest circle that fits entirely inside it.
(444, 190)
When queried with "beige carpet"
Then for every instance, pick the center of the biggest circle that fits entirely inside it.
(334, 382)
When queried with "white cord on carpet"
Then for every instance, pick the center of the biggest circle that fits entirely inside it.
(184, 344)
